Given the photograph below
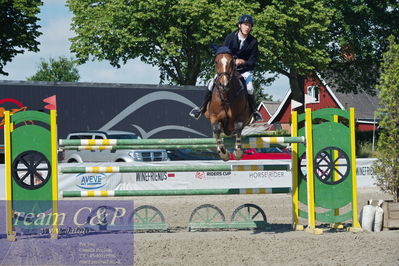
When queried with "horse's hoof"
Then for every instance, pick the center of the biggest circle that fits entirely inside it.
(238, 154)
(225, 156)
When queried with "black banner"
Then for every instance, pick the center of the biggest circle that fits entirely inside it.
(149, 111)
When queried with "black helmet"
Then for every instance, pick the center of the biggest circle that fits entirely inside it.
(246, 18)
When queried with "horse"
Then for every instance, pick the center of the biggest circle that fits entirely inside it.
(228, 110)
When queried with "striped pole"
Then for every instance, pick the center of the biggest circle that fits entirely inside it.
(112, 142)
(137, 147)
(174, 168)
(248, 142)
(177, 192)
(167, 147)
(265, 142)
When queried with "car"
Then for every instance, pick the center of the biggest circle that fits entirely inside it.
(264, 154)
(189, 155)
(119, 155)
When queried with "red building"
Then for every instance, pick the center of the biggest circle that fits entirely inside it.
(319, 95)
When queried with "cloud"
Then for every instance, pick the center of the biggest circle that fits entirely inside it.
(54, 41)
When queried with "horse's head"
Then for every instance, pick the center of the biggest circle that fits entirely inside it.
(224, 66)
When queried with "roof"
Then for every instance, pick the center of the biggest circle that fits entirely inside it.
(256, 128)
(280, 107)
(365, 105)
(270, 106)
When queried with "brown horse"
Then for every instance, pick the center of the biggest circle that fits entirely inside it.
(228, 110)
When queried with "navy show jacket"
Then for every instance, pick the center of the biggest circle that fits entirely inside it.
(249, 52)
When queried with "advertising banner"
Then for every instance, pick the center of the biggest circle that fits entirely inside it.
(176, 180)
(186, 180)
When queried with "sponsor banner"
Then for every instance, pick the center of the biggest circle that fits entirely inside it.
(91, 181)
(186, 180)
(175, 180)
(364, 172)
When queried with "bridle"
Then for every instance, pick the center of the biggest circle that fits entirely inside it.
(227, 74)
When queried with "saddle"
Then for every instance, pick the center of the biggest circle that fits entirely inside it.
(243, 83)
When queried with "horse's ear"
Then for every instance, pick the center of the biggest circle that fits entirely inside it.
(214, 48)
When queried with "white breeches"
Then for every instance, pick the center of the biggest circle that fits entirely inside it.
(248, 79)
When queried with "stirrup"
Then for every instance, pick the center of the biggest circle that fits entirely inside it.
(257, 116)
(195, 113)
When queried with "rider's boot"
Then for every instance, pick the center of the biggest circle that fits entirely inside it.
(198, 111)
(252, 106)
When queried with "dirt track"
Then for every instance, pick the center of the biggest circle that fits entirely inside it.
(278, 246)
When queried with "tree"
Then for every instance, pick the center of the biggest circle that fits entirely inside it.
(340, 39)
(174, 35)
(386, 168)
(62, 69)
(358, 35)
(19, 29)
(293, 38)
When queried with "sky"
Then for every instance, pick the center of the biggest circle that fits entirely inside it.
(55, 26)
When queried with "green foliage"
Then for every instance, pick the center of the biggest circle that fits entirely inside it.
(174, 35)
(386, 167)
(358, 37)
(260, 96)
(341, 39)
(364, 149)
(293, 36)
(61, 70)
(19, 29)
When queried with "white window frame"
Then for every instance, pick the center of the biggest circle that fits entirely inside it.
(312, 91)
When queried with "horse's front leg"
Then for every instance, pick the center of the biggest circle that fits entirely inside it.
(238, 152)
(217, 131)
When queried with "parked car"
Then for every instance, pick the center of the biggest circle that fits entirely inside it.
(189, 154)
(121, 155)
(264, 154)
(249, 154)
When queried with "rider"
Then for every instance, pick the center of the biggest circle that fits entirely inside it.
(245, 47)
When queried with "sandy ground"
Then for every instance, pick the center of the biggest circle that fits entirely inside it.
(278, 246)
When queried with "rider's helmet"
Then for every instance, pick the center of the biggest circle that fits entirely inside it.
(246, 18)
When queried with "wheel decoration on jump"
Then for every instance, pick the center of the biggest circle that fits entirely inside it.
(30, 158)
(206, 216)
(250, 214)
(148, 217)
(331, 165)
(28, 172)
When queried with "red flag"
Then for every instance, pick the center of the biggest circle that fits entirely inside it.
(52, 103)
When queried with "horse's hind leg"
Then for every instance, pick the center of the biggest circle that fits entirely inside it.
(217, 131)
(238, 152)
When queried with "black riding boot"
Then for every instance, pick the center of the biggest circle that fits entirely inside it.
(198, 111)
(252, 106)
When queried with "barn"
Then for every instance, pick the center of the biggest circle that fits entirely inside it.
(319, 95)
